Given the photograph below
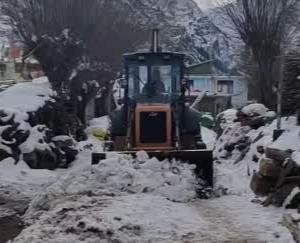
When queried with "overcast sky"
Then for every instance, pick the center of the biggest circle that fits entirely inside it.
(206, 4)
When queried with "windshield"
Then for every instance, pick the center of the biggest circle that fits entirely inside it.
(161, 81)
(162, 78)
(137, 78)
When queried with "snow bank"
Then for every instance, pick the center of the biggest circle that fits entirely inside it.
(127, 219)
(238, 155)
(22, 98)
(209, 137)
(121, 175)
(136, 199)
(101, 122)
(23, 180)
(22, 174)
(290, 139)
(15, 104)
(23, 109)
(36, 140)
(227, 118)
(255, 109)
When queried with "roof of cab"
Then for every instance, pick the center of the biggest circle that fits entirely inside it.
(153, 54)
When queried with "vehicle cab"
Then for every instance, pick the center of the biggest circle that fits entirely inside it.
(153, 77)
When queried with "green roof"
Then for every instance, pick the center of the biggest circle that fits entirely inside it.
(204, 68)
(211, 67)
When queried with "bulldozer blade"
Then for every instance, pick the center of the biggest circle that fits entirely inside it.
(203, 159)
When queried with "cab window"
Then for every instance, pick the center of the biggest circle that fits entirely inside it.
(137, 78)
(162, 78)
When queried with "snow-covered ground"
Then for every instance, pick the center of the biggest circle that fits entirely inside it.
(124, 200)
(236, 175)
(138, 200)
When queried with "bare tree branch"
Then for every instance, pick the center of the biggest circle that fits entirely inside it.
(265, 27)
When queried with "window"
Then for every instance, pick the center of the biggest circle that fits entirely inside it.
(138, 77)
(176, 78)
(143, 75)
(199, 84)
(161, 76)
(225, 86)
(161, 80)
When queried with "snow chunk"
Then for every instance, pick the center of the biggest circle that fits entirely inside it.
(36, 140)
(62, 138)
(142, 156)
(255, 109)
(296, 157)
(227, 118)
(41, 80)
(208, 116)
(101, 122)
(290, 197)
(209, 137)
(290, 139)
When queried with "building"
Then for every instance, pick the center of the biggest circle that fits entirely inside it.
(14, 68)
(214, 89)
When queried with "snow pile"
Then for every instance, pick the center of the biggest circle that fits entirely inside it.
(22, 176)
(121, 175)
(96, 132)
(22, 98)
(290, 139)
(209, 137)
(121, 198)
(17, 107)
(239, 149)
(23, 109)
(227, 118)
(100, 123)
(36, 140)
(130, 218)
(255, 109)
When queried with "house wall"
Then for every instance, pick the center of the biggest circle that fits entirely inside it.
(13, 69)
(239, 97)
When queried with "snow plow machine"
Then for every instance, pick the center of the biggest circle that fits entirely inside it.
(154, 115)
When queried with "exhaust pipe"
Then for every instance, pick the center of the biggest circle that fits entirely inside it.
(155, 47)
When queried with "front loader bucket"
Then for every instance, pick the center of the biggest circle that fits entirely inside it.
(203, 159)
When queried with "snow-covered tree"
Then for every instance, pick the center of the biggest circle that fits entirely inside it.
(78, 44)
(266, 28)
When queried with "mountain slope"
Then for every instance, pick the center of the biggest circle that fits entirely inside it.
(184, 27)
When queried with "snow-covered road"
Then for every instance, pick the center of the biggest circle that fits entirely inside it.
(122, 200)
(102, 207)
(145, 218)
(236, 219)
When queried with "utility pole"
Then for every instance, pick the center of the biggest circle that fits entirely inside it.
(279, 92)
(281, 60)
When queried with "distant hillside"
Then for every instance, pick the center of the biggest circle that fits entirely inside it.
(184, 27)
